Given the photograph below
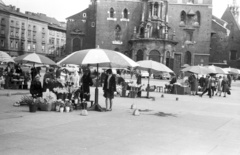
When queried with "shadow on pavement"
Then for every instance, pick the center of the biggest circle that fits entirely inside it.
(162, 114)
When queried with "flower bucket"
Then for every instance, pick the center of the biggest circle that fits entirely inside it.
(46, 107)
(67, 109)
(57, 108)
(61, 109)
(32, 108)
(84, 113)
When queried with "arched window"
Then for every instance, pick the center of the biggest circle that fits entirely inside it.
(188, 58)
(117, 32)
(168, 59)
(111, 13)
(155, 12)
(3, 21)
(183, 16)
(198, 17)
(139, 55)
(141, 32)
(125, 13)
(155, 56)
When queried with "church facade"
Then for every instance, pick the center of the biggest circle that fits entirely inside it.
(173, 32)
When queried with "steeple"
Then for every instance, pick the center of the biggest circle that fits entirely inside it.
(234, 8)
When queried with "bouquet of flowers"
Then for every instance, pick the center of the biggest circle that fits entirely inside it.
(49, 97)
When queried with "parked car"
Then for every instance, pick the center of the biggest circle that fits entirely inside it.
(164, 76)
(71, 67)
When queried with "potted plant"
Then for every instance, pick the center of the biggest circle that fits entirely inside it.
(31, 103)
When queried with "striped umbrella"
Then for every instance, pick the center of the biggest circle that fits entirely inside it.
(35, 58)
(217, 70)
(99, 57)
(4, 57)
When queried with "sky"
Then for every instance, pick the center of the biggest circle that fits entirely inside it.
(61, 9)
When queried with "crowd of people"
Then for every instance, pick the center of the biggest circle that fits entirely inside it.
(211, 84)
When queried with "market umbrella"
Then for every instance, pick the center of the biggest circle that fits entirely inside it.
(231, 70)
(35, 58)
(197, 70)
(152, 67)
(99, 58)
(4, 57)
(217, 70)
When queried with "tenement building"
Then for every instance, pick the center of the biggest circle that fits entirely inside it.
(30, 32)
(173, 32)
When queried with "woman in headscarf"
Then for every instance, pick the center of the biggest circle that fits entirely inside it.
(86, 82)
(225, 86)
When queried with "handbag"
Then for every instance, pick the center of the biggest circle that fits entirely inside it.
(228, 92)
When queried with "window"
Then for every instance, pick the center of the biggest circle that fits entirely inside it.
(29, 33)
(43, 48)
(29, 46)
(2, 31)
(34, 36)
(111, 13)
(183, 16)
(12, 23)
(29, 26)
(93, 24)
(198, 17)
(57, 41)
(2, 43)
(34, 28)
(23, 34)
(16, 44)
(84, 15)
(17, 23)
(43, 30)
(3, 21)
(43, 36)
(125, 13)
(34, 47)
(23, 25)
(117, 32)
(12, 32)
(190, 2)
(12, 44)
(233, 55)
(22, 44)
(17, 33)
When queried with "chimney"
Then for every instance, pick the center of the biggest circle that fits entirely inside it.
(18, 10)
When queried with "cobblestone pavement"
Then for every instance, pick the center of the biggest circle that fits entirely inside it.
(190, 126)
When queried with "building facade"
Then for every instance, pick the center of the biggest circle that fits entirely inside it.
(30, 32)
(173, 32)
(225, 47)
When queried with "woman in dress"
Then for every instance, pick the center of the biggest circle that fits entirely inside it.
(109, 88)
(86, 82)
(193, 84)
(225, 86)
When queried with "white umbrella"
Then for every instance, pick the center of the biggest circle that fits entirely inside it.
(152, 67)
(217, 70)
(232, 70)
(100, 58)
(35, 58)
(4, 57)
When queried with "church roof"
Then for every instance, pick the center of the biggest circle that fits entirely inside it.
(1, 2)
(229, 17)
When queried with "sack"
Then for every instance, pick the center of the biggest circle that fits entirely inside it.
(228, 92)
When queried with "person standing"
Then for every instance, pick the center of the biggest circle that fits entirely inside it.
(34, 72)
(202, 82)
(47, 80)
(86, 82)
(218, 85)
(193, 84)
(225, 86)
(36, 87)
(207, 87)
(109, 88)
